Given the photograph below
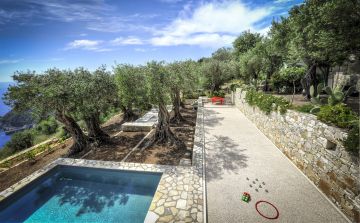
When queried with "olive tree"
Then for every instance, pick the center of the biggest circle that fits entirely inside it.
(159, 95)
(70, 96)
(131, 88)
(293, 75)
(252, 65)
(245, 41)
(181, 79)
(321, 36)
(96, 92)
(215, 73)
(51, 92)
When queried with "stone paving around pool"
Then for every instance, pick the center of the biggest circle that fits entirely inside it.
(180, 193)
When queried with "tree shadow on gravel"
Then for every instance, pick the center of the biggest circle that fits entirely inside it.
(227, 158)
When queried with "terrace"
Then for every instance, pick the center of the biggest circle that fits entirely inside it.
(264, 128)
(179, 194)
(229, 156)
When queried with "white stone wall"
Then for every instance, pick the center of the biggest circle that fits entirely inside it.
(315, 148)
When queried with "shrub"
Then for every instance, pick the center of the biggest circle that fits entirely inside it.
(20, 141)
(48, 126)
(304, 108)
(219, 93)
(266, 102)
(343, 117)
(63, 134)
(287, 79)
(233, 86)
(339, 115)
(109, 114)
(31, 155)
(352, 141)
(191, 95)
(6, 164)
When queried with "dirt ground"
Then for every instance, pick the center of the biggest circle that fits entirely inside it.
(118, 147)
(170, 155)
(299, 99)
(15, 174)
(157, 154)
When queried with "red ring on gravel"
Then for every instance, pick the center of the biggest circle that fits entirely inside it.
(271, 218)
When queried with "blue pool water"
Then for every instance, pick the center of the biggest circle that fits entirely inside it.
(79, 194)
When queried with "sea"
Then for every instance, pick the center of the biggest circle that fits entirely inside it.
(3, 110)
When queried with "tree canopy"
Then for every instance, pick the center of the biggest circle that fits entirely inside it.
(131, 88)
(69, 95)
(182, 79)
(246, 41)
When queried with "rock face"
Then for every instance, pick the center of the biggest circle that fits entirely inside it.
(13, 120)
(316, 149)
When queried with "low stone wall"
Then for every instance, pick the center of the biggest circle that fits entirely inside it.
(316, 149)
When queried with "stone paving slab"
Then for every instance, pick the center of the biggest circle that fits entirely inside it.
(176, 198)
(239, 158)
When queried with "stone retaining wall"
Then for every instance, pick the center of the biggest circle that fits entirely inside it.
(316, 149)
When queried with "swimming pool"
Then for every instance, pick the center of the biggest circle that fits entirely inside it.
(82, 194)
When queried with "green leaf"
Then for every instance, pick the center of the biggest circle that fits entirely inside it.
(328, 90)
(315, 110)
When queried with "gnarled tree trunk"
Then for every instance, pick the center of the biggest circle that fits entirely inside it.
(129, 114)
(163, 132)
(310, 79)
(177, 118)
(80, 140)
(94, 130)
(325, 69)
(182, 104)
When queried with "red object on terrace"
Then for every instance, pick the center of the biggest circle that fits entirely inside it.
(217, 99)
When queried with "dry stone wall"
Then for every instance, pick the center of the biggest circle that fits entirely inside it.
(316, 149)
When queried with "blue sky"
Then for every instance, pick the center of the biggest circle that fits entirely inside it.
(39, 34)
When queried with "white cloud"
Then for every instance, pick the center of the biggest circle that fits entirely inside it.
(264, 31)
(282, 1)
(170, 1)
(131, 40)
(214, 40)
(212, 24)
(96, 15)
(143, 50)
(84, 44)
(10, 61)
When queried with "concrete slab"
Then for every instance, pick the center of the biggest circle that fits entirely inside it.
(239, 158)
(137, 127)
(145, 123)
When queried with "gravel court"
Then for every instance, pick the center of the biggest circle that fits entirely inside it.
(239, 158)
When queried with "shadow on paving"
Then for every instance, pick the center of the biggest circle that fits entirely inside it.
(228, 157)
(211, 119)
